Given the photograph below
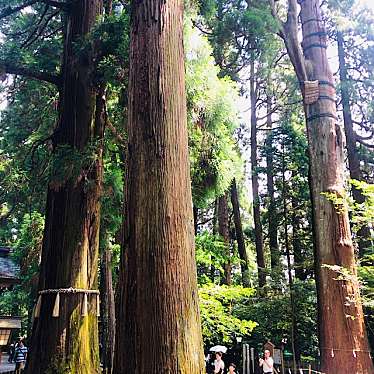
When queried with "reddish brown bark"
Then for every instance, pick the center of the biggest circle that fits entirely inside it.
(158, 326)
(343, 341)
(69, 342)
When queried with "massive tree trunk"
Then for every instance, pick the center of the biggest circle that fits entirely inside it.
(256, 199)
(272, 210)
(69, 342)
(343, 341)
(107, 312)
(239, 234)
(224, 231)
(350, 135)
(158, 325)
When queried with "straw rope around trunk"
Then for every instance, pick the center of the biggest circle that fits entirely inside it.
(71, 290)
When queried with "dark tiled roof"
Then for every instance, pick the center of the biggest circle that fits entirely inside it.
(8, 269)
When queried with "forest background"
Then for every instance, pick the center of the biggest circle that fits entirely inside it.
(248, 152)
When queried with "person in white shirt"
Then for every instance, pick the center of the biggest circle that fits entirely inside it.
(219, 365)
(267, 363)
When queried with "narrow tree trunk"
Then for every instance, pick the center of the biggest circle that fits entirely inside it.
(256, 198)
(239, 234)
(223, 230)
(158, 325)
(295, 353)
(195, 219)
(343, 341)
(300, 272)
(272, 210)
(69, 343)
(214, 232)
(353, 158)
(107, 312)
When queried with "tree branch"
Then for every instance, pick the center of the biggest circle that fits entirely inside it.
(9, 10)
(10, 68)
(57, 4)
(367, 145)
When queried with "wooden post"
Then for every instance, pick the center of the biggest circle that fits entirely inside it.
(310, 369)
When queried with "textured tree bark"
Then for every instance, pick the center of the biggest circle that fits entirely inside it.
(107, 312)
(353, 159)
(342, 327)
(158, 325)
(256, 199)
(69, 343)
(272, 210)
(343, 341)
(224, 231)
(239, 234)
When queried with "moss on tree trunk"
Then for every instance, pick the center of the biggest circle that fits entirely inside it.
(69, 343)
(158, 325)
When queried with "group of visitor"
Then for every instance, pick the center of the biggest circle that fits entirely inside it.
(218, 366)
(266, 363)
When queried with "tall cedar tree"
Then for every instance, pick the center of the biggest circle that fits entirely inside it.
(158, 324)
(343, 340)
(350, 135)
(70, 245)
(272, 208)
(255, 186)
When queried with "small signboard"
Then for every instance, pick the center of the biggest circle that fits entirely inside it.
(270, 347)
(277, 356)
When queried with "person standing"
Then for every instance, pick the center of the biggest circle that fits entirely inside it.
(267, 363)
(219, 365)
(232, 369)
(20, 356)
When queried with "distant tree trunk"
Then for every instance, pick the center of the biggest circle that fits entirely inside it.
(350, 135)
(256, 198)
(341, 321)
(295, 351)
(223, 230)
(272, 210)
(195, 219)
(300, 272)
(239, 234)
(69, 343)
(158, 325)
(107, 312)
(214, 232)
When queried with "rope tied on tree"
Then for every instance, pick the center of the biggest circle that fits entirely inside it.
(311, 20)
(314, 45)
(318, 90)
(317, 33)
(321, 115)
(71, 290)
(354, 351)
